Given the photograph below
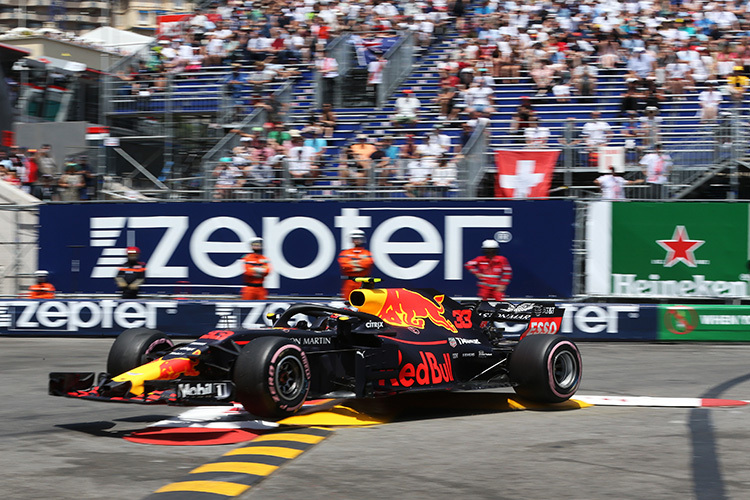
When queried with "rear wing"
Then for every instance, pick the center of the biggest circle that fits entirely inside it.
(539, 318)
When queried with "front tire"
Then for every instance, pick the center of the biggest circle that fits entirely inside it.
(136, 347)
(272, 377)
(545, 368)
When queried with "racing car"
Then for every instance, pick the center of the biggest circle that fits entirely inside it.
(391, 340)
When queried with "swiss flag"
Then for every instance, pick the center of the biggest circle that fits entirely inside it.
(524, 174)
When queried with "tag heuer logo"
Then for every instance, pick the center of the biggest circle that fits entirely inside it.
(680, 249)
(452, 342)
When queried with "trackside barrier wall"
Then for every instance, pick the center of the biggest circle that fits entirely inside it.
(189, 246)
(108, 317)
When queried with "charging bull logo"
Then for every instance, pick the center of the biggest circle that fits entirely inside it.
(401, 307)
(159, 369)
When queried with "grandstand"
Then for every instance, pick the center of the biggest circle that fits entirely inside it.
(175, 126)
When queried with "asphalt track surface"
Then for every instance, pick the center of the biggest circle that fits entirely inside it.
(67, 449)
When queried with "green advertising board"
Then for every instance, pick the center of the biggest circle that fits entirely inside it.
(717, 323)
(679, 250)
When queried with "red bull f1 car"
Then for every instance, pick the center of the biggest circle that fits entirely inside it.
(391, 341)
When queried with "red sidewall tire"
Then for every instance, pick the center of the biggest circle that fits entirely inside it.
(135, 347)
(272, 377)
(545, 368)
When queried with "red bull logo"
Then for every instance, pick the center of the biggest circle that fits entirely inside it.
(430, 371)
(401, 307)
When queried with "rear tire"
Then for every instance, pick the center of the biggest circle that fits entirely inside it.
(545, 368)
(272, 377)
(136, 347)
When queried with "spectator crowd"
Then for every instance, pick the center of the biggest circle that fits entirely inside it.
(668, 51)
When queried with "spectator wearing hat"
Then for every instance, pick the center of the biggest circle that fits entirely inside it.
(42, 288)
(737, 84)
(709, 100)
(70, 183)
(362, 150)
(131, 275)
(407, 107)
(279, 137)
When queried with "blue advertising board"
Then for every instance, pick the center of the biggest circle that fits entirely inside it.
(109, 317)
(584, 321)
(198, 247)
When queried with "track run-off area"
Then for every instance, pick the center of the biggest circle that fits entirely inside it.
(647, 427)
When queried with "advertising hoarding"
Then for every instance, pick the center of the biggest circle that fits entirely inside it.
(108, 317)
(714, 323)
(668, 249)
(197, 247)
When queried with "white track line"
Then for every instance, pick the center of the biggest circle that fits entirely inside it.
(658, 402)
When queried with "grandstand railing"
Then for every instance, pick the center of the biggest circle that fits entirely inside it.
(472, 165)
(400, 62)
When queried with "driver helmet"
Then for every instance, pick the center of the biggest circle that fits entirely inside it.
(357, 234)
(41, 273)
(490, 244)
(256, 243)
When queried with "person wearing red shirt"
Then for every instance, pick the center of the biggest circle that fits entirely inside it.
(355, 262)
(257, 268)
(493, 272)
(42, 289)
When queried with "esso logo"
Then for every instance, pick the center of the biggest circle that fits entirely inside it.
(543, 327)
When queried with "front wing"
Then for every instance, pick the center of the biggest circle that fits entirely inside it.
(86, 385)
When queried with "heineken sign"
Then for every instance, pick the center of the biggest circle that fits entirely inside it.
(670, 250)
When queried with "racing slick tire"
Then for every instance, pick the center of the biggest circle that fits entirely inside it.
(545, 368)
(135, 347)
(272, 377)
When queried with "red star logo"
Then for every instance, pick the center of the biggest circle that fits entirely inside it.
(680, 248)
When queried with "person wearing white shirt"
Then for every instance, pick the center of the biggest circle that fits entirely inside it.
(613, 185)
(536, 136)
(656, 167)
(437, 138)
(596, 134)
(406, 109)
(709, 100)
(444, 177)
(300, 161)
